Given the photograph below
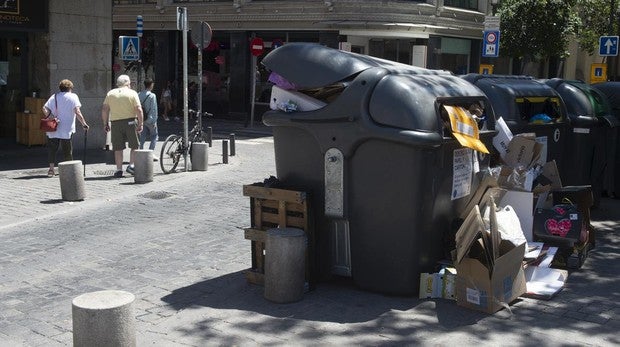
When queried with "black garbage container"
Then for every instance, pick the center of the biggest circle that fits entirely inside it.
(523, 102)
(590, 117)
(387, 179)
(611, 182)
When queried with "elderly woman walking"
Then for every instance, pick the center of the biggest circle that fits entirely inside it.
(65, 106)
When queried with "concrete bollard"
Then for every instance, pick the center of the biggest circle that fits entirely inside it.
(71, 180)
(104, 318)
(200, 156)
(143, 166)
(285, 258)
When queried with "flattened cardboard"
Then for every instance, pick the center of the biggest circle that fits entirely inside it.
(520, 152)
(468, 233)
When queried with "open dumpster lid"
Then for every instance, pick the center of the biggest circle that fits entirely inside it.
(310, 65)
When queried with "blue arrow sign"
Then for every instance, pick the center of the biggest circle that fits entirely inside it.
(608, 46)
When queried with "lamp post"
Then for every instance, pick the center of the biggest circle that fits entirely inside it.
(494, 4)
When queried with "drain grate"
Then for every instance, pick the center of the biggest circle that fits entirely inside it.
(104, 172)
(157, 195)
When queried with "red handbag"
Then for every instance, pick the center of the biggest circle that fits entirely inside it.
(50, 123)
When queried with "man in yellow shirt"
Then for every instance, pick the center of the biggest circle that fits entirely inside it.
(122, 112)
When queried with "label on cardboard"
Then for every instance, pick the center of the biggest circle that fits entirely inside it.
(507, 284)
(503, 137)
(473, 296)
(462, 172)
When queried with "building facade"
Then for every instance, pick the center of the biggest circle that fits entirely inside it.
(43, 42)
(437, 34)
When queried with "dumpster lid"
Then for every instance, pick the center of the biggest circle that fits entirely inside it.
(310, 65)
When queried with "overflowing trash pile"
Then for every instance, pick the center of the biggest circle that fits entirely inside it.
(461, 185)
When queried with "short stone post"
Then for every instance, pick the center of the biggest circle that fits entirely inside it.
(104, 318)
(210, 136)
(200, 156)
(143, 166)
(285, 250)
(71, 180)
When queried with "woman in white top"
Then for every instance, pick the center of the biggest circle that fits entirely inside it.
(64, 105)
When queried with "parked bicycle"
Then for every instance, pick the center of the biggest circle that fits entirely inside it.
(175, 149)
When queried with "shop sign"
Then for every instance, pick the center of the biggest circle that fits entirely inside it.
(24, 15)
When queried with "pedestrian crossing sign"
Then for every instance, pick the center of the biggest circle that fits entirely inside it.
(129, 47)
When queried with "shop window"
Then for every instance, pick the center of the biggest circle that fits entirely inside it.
(466, 4)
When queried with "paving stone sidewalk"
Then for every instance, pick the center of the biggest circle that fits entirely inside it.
(177, 244)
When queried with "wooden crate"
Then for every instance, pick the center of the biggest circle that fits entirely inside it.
(272, 208)
(27, 129)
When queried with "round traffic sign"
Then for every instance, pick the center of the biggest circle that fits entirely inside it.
(257, 46)
(201, 34)
(491, 37)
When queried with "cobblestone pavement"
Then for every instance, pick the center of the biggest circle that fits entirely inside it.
(177, 244)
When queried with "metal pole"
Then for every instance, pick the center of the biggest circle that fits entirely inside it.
(199, 101)
(232, 144)
(225, 151)
(253, 91)
(185, 104)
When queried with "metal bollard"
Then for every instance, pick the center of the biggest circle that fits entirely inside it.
(210, 136)
(232, 144)
(225, 151)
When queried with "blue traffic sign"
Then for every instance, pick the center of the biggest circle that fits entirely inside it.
(129, 47)
(608, 46)
(490, 43)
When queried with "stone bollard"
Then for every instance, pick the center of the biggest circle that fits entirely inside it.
(200, 156)
(285, 255)
(71, 180)
(143, 166)
(104, 318)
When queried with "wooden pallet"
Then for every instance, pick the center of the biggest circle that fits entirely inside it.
(273, 208)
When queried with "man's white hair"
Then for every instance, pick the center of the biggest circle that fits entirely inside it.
(123, 80)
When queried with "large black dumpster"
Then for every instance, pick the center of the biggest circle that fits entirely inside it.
(590, 117)
(378, 162)
(524, 103)
(611, 183)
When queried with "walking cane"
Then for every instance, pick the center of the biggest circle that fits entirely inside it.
(84, 153)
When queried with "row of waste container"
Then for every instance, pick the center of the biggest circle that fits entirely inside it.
(387, 178)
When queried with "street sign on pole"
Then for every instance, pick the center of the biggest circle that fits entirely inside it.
(490, 43)
(129, 47)
(608, 46)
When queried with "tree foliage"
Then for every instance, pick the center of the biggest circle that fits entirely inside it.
(536, 30)
(595, 22)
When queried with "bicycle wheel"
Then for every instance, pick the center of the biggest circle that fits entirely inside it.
(171, 153)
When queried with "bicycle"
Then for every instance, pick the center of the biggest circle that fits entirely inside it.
(175, 148)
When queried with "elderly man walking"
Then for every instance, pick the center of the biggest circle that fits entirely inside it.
(122, 114)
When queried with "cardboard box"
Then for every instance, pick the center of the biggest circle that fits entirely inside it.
(488, 278)
(438, 285)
